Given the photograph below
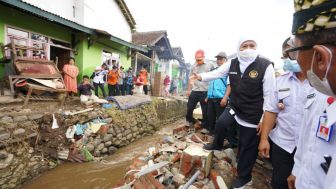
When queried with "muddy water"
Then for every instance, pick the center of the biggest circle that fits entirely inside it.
(97, 175)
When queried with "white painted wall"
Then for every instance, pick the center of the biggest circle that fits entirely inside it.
(103, 14)
(63, 8)
(107, 16)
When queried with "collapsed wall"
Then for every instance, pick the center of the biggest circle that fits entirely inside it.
(29, 146)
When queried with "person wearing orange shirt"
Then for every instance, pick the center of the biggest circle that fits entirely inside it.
(70, 76)
(113, 76)
(144, 75)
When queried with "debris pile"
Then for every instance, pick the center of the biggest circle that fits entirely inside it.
(179, 161)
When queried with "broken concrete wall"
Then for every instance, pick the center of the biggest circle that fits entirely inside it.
(28, 145)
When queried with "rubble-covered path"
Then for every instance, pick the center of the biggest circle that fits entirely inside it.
(109, 172)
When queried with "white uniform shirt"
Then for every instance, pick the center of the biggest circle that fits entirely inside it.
(223, 71)
(292, 93)
(99, 75)
(330, 180)
(311, 149)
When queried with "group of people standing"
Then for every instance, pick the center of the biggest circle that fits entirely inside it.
(170, 85)
(118, 82)
(290, 118)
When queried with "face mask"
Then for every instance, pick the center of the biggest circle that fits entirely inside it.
(291, 65)
(323, 85)
(247, 56)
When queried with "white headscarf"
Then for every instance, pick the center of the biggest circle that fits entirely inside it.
(250, 55)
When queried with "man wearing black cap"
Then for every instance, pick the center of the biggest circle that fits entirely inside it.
(314, 27)
(217, 97)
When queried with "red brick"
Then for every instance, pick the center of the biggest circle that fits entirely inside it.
(197, 162)
(176, 158)
(138, 185)
(180, 129)
(154, 182)
(213, 177)
(186, 164)
(146, 183)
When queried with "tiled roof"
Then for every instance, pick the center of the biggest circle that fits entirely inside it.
(148, 38)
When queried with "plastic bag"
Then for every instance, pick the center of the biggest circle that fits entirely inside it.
(87, 155)
(54, 123)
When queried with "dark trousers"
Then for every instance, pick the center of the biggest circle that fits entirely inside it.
(145, 88)
(226, 127)
(282, 163)
(121, 90)
(101, 86)
(248, 142)
(194, 98)
(113, 90)
(129, 89)
(214, 110)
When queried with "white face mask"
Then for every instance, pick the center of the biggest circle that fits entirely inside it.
(247, 56)
(323, 85)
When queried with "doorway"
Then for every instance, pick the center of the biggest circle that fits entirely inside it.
(62, 54)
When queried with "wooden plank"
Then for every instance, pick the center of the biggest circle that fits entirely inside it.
(27, 97)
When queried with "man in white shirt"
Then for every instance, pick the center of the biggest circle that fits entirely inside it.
(315, 46)
(251, 79)
(283, 111)
(99, 79)
(121, 81)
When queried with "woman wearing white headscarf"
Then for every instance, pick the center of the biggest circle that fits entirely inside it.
(251, 78)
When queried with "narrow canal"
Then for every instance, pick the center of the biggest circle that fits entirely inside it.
(97, 175)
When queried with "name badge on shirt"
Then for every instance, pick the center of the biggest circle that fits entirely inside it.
(284, 89)
(323, 132)
(234, 73)
(311, 96)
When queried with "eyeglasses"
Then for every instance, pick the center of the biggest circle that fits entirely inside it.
(199, 60)
(292, 53)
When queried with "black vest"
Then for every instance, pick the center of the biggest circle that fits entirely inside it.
(247, 94)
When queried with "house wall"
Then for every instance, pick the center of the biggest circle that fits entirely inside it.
(90, 58)
(63, 8)
(106, 15)
(14, 18)
(86, 58)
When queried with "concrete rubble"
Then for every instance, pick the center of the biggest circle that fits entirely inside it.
(188, 164)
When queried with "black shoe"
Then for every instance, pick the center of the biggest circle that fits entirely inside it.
(232, 146)
(210, 147)
(241, 184)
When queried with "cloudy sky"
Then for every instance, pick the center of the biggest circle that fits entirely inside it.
(217, 25)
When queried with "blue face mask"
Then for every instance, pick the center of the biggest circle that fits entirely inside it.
(291, 65)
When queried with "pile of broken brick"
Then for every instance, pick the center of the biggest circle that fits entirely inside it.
(179, 161)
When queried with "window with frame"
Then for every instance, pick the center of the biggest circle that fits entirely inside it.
(111, 59)
(26, 38)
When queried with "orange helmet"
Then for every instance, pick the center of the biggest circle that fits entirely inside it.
(199, 54)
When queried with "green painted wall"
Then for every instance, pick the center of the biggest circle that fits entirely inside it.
(14, 18)
(27, 22)
(89, 58)
(175, 71)
(86, 58)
